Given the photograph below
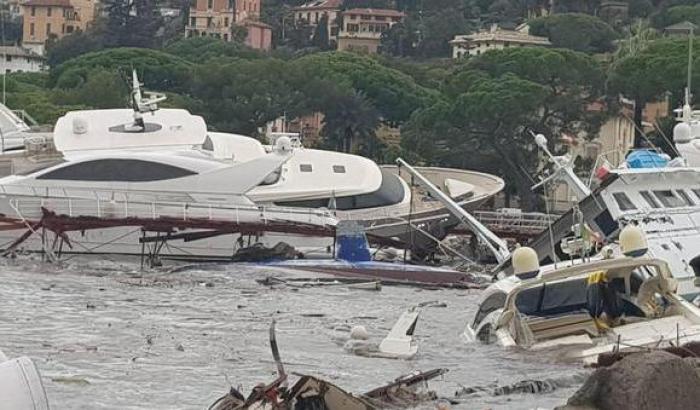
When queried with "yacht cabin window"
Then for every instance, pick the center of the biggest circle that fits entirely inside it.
(117, 170)
(650, 199)
(669, 199)
(305, 168)
(339, 169)
(623, 201)
(685, 197)
(697, 193)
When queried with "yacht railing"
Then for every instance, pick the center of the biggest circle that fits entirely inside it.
(118, 204)
(517, 222)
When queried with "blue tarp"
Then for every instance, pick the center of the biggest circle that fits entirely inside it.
(646, 159)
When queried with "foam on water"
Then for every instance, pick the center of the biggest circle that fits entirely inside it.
(106, 336)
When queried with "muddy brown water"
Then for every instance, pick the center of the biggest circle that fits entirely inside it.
(106, 336)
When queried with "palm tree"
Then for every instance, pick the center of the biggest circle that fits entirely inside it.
(349, 119)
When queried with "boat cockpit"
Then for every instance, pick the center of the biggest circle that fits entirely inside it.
(607, 298)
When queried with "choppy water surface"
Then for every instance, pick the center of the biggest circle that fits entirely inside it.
(106, 336)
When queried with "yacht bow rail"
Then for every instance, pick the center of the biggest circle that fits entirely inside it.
(86, 202)
(521, 223)
(34, 209)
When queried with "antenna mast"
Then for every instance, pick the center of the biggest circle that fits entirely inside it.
(690, 65)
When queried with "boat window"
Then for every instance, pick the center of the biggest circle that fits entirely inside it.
(208, 144)
(121, 170)
(669, 199)
(685, 197)
(650, 199)
(606, 223)
(272, 178)
(623, 201)
(551, 299)
(491, 303)
(305, 168)
(339, 169)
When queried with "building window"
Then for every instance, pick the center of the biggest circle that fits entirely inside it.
(225, 21)
(193, 21)
(31, 29)
(33, 11)
(48, 29)
(650, 199)
(48, 12)
(210, 4)
(69, 29)
(305, 168)
(8, 58)
(339, 169)
(623, 201)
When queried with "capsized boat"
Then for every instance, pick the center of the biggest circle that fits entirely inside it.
(589, 308)
(354, 260)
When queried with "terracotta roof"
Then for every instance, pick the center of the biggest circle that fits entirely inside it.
(375, 12)
(47, 3)
(320, 4)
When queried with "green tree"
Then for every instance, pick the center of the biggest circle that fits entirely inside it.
(243, 95)
(649, 74)
(575, 31)
(491, 101)
(131, 23)
(71, 46)
(10, 26)
(394, 94)
(201, 49)
(320, 38)
(349, 123)
(677, 14)
(161, 71)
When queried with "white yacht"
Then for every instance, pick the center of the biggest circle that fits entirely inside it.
(581, 310)
(127, 163)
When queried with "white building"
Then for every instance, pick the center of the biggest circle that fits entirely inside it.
(18, 59)
(494, 39)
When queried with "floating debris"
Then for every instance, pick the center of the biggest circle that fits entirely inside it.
(75, 380)
(310, 392)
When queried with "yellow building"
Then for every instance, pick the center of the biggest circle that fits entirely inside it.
(362, 28)
(45, 19)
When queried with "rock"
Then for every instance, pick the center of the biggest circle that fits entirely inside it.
(653, 380)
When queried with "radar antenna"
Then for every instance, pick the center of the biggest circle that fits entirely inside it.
(141, 104)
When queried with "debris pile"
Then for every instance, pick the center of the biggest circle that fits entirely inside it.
(311, 393)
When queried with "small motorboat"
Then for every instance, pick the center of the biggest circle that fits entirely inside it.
(583, 310)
